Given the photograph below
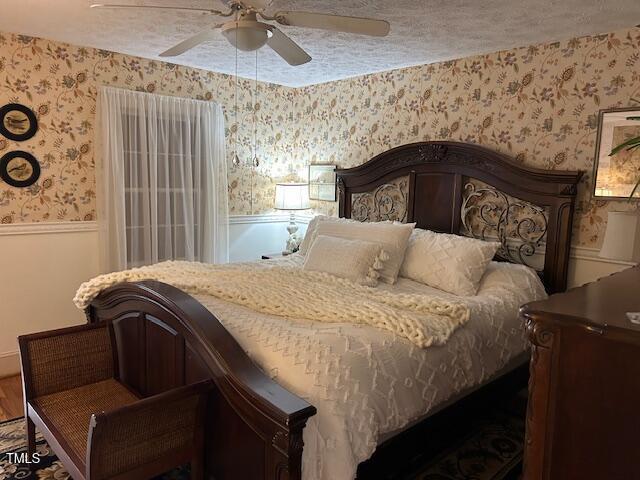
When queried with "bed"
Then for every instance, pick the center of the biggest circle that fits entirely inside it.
(361, 392)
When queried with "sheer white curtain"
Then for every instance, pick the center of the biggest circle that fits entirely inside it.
(162, 182)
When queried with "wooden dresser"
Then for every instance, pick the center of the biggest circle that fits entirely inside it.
(583, 418)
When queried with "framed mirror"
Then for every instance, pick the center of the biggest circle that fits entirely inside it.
(616, 176)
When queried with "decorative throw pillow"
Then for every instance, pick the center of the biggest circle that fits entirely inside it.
(392, 236)
(355, 260)
(311, 233)
(448, 262)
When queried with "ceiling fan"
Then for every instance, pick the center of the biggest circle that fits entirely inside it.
(246, 32)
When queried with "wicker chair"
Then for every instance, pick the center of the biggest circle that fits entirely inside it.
(98, 427)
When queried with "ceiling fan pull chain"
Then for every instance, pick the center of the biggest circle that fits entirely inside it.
(236, 159)
(256, 162)
(253, 161)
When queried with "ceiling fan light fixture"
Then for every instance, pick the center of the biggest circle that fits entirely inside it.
(247, 35)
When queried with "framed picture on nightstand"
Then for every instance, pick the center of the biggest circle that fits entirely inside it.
(322, 183)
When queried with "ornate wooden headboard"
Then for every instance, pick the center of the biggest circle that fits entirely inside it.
(470, 190)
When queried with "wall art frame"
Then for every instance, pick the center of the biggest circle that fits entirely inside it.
(322, 182)
(615, 176)
(17, 122)
(19, 169)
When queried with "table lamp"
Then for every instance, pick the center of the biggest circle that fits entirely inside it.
(622, 237)
(292, 197)
(622, 242)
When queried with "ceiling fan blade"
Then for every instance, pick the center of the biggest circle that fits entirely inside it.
(338, 23)
(292, 53)
(159, 7)
(189, 43)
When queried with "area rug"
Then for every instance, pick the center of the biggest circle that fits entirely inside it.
(12, 440)
(492, 450)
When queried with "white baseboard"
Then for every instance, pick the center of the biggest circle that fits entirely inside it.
(9, 363)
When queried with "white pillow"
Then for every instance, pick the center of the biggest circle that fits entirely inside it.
(393, 238)
(311, 232)
(448, 262)
(355, 260)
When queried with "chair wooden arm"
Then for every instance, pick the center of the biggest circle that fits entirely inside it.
(148, 437)
(66, 358)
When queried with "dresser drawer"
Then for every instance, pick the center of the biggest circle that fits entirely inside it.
(583, 418)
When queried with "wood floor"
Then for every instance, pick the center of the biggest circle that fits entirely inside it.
(10, 398)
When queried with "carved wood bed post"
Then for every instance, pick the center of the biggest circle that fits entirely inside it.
(165, 339)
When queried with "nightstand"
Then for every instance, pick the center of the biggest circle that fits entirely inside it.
(584, 390)
(269, 256)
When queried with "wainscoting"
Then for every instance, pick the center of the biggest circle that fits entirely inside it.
(585, 266)
(250, 236)
(41, 266)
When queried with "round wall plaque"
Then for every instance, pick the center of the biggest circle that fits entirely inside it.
(17, 122)
(19, 169)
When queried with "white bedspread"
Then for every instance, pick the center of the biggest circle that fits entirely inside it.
(365, 381)
(421, 319)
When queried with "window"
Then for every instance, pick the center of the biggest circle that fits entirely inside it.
(166, 159)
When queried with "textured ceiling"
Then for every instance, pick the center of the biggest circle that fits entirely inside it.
(422, 31)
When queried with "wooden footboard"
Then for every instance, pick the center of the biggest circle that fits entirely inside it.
(164, 339)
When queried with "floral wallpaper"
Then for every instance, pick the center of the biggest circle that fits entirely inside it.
(59, 82)
(538, 104)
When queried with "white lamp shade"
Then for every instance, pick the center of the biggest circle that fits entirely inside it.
(622, 237)
(292, 196)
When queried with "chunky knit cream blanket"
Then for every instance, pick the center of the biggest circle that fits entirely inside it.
(295, 293)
